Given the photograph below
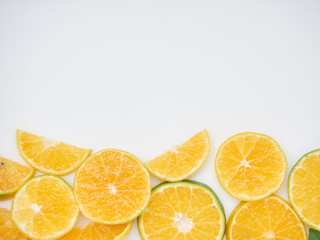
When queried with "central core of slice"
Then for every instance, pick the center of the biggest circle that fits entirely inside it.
(36, 208)
(112, 189)
(269, 235)
(183, 223)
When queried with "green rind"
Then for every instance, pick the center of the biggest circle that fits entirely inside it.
(125, 233)
(106, 222)
(290, 184)
(262, 196)
(184, 183)
(14, 199)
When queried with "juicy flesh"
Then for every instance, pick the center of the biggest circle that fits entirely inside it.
(50, 155)
(112, 186)
(251, 166)
(183, 159)
(182, 212)
(305, 190)
(267, 219)
(44, 207)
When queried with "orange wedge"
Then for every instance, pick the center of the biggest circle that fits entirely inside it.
(12, 176)
(185, 210)
(304, 188)
(50, 156)
(271, 218)
(183, 160)
(44, 208)
(112, 187)
(97, 231)
(250, 166)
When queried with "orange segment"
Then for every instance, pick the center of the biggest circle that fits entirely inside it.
(183, 210)
(271, 218)
(12, 176)
(112, 187)
(182, 161)
(304, 188)
(250, 166)
(50, 156)
(44, 208)
(96, 231)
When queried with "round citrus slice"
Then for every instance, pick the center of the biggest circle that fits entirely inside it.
(304, 188)
(183, 160)
(250, 166)
(44, 208)
(99, 231)
(270, 218)
(50, 156)
(182, 210)
(112, 187)
(12, 176)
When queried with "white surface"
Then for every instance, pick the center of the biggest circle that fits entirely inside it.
(143, 76)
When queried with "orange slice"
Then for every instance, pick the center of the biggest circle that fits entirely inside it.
(271, 218)
(182, 161)
(250, 166)
(44, 208)
(112, 187)
(99, 231)
(304, 188)
(50, 156)
(12, 176)
(185, 210)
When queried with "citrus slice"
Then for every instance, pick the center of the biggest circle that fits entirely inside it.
(12, 176)
(7, 230)
(185, 210)
(112, 187)
(99, 231)
(50, 156)
(270, 218)
(304, 188)
(183, 160)
(44, 208)
(250, 166)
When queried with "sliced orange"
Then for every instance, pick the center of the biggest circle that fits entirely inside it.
(97, 231)
(183, 160)
(250, 166)
(44, 208)
(12, 176)
(185, 210)
(112, 187)
(270, 218)
(304, 188)
(7, 230)
(50, 156)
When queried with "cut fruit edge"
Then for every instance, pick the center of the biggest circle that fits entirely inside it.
(294, 168)
(46, 170)
(201, 162)
(248, 199)
(190, 183)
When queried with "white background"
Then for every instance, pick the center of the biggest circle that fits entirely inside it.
(143, 76)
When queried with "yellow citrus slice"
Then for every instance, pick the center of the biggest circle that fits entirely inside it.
(112, 187)
(99, 231)
(12, 176)
(185, 210)
(250, 166)
(270, 218)
(44, 208)
(304, 188)
(7, 230)
(50, 156)
(182, 161)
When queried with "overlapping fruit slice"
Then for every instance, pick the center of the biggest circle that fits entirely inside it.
(250, 166)
(50, 156)
(182, 161)
(268, 219)
(185, 210)
(44, 208)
